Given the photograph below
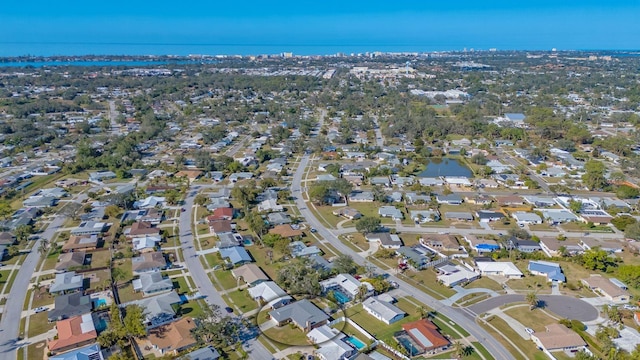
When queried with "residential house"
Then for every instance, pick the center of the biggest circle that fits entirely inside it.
(422, 336)
(286, 231)
(607, 289)
(146, 243)
(173, 337)
(458, 216)
(523, 217)
(72, 260)
(69, 305)
(191, 175)
(91, 352)
(390, 212)
(430, 181)
(152, 283)
(7, 238)
(66, 282)
(540, 201)
(382, 310)
(551, 246)
(269, 205)
(158, 309)
(451, 275)
(414, 198)
(349, 213)
(527, 246)
(90, 228)
(480, 199)
(361, 196)
(251, 274)
(506, 269)
(149, 261)
(412, 257)
(450, 199)
(236, 255)
(552, 271)
(99, 176)
(424, 216)
(219, 227)
(303, 314)
(80, 243)
(221, 214)
(558, 216)
(488, 215)
(331, 343)
(380, 180)
(278, 218)
(346, 285)
(510, 200)
(610, 246)
(74, 332)
(319, 263)
(142, 229)
(558, 337)
(216, 176)
(386, 240)
(299, 249)
(235, 177)
(269, 294)
(205, 353)
(441, 242)
(149, 202)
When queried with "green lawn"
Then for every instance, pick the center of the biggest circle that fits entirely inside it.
(126, 293)
(427, 281)
(376, 327)
(326, 213)
(192, 308)
(39, 324)
(100, 258)
(181, 284)
(42, 298)
(226, 279)
(286, 336)
(242, 300)
(536, 319)
(36, 351)
(7, 278)
(486, 283)
(526, 346)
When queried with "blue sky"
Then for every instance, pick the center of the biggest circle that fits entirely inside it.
(564, 24)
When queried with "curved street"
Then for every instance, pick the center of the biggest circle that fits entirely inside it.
(465, 320)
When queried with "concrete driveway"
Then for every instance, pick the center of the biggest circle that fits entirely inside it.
(563, 306)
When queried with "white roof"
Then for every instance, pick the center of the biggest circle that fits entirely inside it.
(323, 333)
(506, 268)
(345, 282)
(384, 309)
(268, 291)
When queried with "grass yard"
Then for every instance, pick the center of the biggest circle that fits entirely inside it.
(126, 293)
(100, 258)
(7, 278)
(486, 283)
(242, 300)
(536, 320)
(530, 283)
(355, 241)
(470, 299)
(39, 324)
(450, 355)
(505, 332)
(192, 308)
(40, 298)
(427, 281)
(580, 227)
(226, 279)
(181, 284)
(36, 351)
(286, 336)
(213, 259)
(376, 327)
(326, 213)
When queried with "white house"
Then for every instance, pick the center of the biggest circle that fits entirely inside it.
(382, 310)
(506, 269)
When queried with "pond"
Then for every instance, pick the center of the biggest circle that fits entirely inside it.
(446, 167)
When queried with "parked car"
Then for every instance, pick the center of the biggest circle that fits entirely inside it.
(314, 230)
(229, 310)
(528, 330)
(40, 309)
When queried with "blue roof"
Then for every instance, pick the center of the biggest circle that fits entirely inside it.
(236, 254)
(85, 353)
(552, 270)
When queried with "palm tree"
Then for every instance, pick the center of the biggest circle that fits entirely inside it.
(532, 300)
(458, 349)
(423, 312)
(44, 246)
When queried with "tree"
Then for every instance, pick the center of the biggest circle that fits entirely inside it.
(5, 209)
(575, 206)
(632, 231)
(367, 224)
(172, 196)
(594, 178)
(216, 330)
(117, 274)
(270, 240)
(627, 192)
(23, 232)
(299, 278)
(134, 321)
(112, 211)
(532, 300)
(422, 311)
(344, 264)
(621, 222)
(44, 246)
(201, 200)
(379, 194)
(244, 194)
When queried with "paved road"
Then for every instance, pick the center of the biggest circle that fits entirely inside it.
(454, 230)
(10, 323)
(460, 317)
(508, 158)
(255, 349)
(564, 306)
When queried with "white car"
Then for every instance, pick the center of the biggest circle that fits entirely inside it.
(529, 331)
(629, 307)
(40, 309)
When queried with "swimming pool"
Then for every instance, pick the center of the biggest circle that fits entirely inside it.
(99, 302)
(340, 297)
(100, 324)
(356, 342)
(407, 344)
(247, 242)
